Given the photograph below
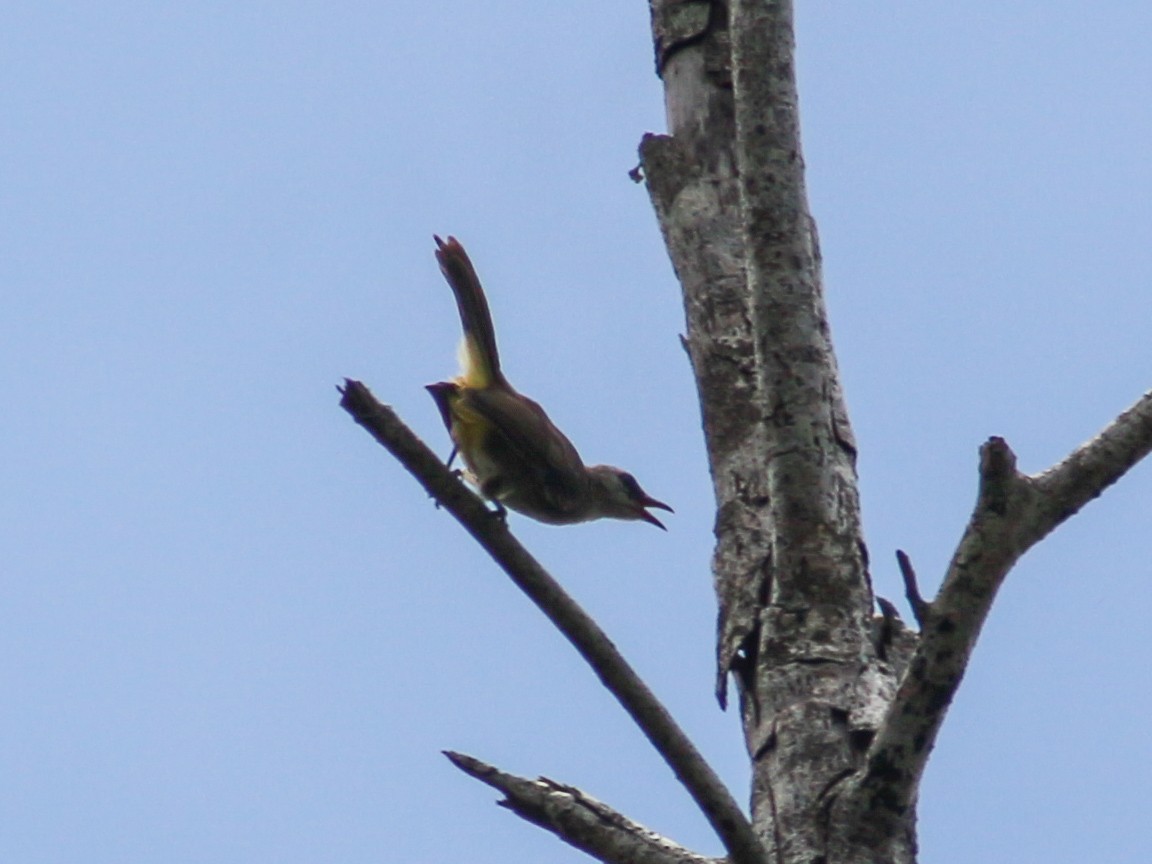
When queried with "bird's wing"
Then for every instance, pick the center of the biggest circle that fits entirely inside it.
(534, 442)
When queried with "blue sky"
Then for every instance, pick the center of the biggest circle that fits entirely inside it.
(232, 629)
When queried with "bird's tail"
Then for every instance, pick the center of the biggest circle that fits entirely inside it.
(479, 359)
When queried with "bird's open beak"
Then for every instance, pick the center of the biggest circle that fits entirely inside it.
(648, 517)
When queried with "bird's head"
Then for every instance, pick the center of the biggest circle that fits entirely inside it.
(617, 495)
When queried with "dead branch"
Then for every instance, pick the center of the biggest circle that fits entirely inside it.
(578, 627)
(1013, 512)
(578, 819)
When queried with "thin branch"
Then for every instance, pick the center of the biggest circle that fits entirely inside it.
(1013, 512)
(578, 627)
(436, 478)
(1095, 465)
(579, 819)
(920, 606)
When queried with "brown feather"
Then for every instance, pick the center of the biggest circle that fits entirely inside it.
(482, 361)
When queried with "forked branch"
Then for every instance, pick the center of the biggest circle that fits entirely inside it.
(1013, 512)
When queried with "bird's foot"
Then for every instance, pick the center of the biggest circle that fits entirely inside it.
(501, 512)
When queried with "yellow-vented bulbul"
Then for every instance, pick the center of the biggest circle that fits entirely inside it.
(513, 452)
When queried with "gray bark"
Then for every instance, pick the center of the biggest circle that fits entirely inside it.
(790, 568)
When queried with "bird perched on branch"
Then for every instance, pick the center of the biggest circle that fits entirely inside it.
(513, 452)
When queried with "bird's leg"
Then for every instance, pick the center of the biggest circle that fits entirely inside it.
(457, 473)
(491, 489)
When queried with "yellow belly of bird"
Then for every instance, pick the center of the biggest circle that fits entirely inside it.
(469, 432)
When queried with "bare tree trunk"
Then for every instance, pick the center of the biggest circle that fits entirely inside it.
(790, 565)
(840, 707)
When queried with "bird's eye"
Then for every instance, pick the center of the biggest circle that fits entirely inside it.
(630, 485)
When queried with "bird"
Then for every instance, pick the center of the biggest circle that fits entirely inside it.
(513, 452)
